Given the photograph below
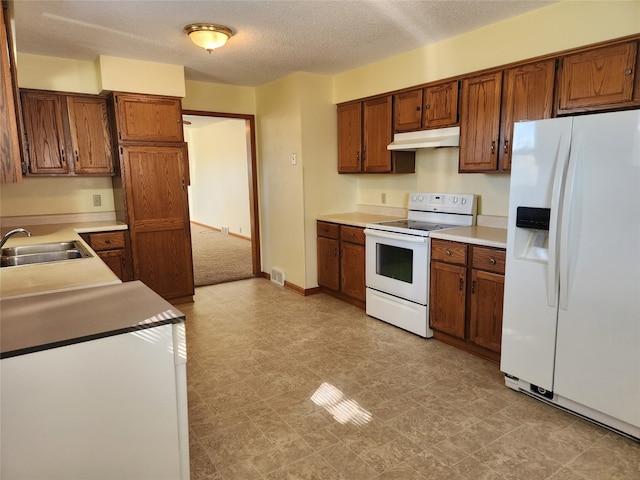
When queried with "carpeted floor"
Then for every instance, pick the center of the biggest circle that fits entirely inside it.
(219, 258)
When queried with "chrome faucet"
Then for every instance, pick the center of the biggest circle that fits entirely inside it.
(13, 232)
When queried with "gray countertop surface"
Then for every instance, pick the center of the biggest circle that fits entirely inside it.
(51, 320)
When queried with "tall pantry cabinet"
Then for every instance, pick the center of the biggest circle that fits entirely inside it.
(152, 191)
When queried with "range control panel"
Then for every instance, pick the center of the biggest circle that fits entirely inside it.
(461, 203)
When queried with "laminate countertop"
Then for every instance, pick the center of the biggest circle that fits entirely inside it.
(356, 219)
(59, 319)
(27, 280)
(477, 235)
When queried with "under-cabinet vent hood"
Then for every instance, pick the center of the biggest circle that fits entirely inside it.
(441, 137)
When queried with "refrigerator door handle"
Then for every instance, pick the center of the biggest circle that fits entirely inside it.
(564, 227)
(557, 194)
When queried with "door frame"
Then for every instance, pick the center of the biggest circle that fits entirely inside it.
(252, 171)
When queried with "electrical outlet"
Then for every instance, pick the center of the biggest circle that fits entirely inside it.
(383, 198)
(97, 200)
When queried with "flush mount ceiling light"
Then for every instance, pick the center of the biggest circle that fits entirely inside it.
(208, 35)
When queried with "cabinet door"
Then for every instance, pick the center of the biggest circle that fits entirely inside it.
(480, 122)
(448, 297)
(594, 79)
(527, 94)
(90, 135)
(148, 118)
(441, 105)
(10, 156)
(350, 138)
(44, 126)
(377, 135)
(408, 111)
(485, 317)
(352, 266)
(328, 263)
(114, 260)
(158, 217)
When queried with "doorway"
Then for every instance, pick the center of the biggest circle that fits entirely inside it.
(225, 210)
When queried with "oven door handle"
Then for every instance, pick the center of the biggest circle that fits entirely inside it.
(393, 236)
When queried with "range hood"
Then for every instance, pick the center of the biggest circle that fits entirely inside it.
(441, 137)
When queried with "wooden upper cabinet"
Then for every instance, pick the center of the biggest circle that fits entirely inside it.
(408, 110)
(44, 129)
(10, 151)
(435, 106)
(364, 131)
(377, 135)
(350, 138)
(603, 77)
(480, 122)
(67, 134)
(90, 135)
(148, 118)
(440, 105)
(527, 94)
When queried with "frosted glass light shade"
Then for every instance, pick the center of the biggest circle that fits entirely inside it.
(208, 35)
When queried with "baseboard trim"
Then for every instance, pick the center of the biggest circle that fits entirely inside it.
(237, 235)
(295, 288)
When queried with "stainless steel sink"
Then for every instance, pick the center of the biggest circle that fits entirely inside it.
(42, 253)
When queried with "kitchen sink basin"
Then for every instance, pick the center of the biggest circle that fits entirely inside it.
(42, 253)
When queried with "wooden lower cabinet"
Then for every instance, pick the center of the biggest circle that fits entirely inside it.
(114, 249)
(352, 262)
(341, 261)
(466, 297)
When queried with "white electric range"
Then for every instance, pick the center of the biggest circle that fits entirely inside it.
(398, 257)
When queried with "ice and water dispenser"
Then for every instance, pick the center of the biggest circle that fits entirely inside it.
(532, 236)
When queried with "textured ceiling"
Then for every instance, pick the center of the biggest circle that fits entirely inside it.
(272, 38)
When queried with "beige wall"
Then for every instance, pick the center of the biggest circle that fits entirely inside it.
(219, 191)
(281, 186)
(126, 75)
(55, 195)
(216, 97)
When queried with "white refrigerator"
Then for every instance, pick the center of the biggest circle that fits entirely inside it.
(571, 327)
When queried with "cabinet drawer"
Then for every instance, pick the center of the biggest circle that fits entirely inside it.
(107, 241)
(352, 234)
(490, 259)
(449, 252)
(329, 230)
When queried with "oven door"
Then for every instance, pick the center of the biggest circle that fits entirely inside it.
(398, 264)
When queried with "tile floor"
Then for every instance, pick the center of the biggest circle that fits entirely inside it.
(289, 387)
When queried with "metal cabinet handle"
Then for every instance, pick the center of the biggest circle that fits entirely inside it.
(492, 261)
(473, 287)
(76, 152)
(62, 154)
(427, 106)
(506, 146)
(107, 241)
(628, 71)
(461, 282)
(418, 108)
(448, 252)
(493, 147)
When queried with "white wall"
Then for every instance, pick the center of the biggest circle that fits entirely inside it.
(219, 191)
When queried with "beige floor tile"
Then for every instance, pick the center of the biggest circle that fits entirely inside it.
(258, 353)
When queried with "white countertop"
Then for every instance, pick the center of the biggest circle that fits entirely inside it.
(27, 280)
(478, 235)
